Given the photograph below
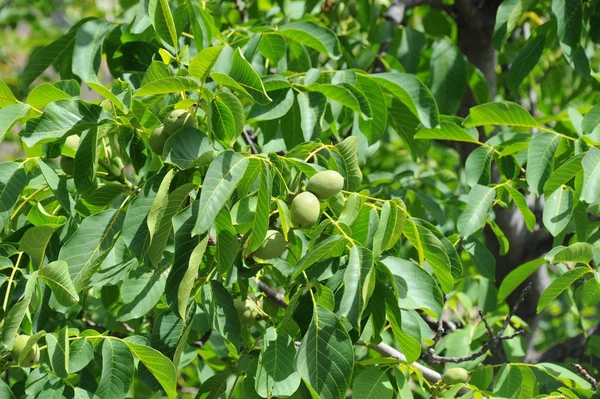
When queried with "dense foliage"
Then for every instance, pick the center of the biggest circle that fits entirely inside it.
(293, 199)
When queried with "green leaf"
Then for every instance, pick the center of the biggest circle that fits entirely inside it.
(430, 248)
(473, 217)
(516, 277)
(448, 78)
(325, 249)
(44, 94)
(56, 275)
(35, 240)
(527, 59)
(13, 181)
(141, 292)
(557, 287)
(590, 292)
(226, 118)
(413, 93)
(373, 128)
(569, 18)
(81, 352)
(372, 383)
(228, 247)
(482, 258)
(325, 360)
(312, 112)
(348, 149)
(558, 210)
(343, 94)
(12, 321)
(201, 65)
(503, 113)
(62, 118)
(449, 131)
(58, 352)
(187, 148)
(117, 369)
(237, 73)
(359, 282)
(6, 96)
(389, 230)
(582, 252)
(478, 166)
(540, 160)
(87, 248)
(225, 318)
(509, 13)
(312, 35)
(416, 288)
(590, 192)
(272, 46)
(591, 120)
(203, 25)
(563, 174)
(86, 163)
(275, 375)
(10, 115)
(40, 60)
(263, 209)
(221, 179)
(159, 365)
(163, 23)
(29, 346)
(409, 345)
(171, 84)
(521, 203)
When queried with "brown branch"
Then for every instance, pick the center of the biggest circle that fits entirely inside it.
(249, 141)
(495, 339)
(584, 373)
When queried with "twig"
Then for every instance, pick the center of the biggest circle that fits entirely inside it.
(277, 297)
(495, 339)
(584, 373)
(203, 340)
(240, 7)
(249, 141)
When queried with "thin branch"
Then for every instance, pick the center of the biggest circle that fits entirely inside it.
(495, 339)
(249, 141)
(584, 373)
(277, 297)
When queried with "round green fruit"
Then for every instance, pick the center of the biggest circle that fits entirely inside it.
(67, 164)
(272, 247)
(305, 210)
(72, 142)
(455, 376)
(325, 184)
(246, 310)
(31, 358)
(158, 138)
(177, 119)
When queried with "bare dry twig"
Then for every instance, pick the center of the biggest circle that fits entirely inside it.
(494, 338)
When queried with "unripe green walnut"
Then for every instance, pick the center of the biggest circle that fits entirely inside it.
(272, 247)
(177, 119)
(305, 210)
(72, 141)
(158, 138)
(67, 164)
(31, 358)
(246, 310)
(325, 184)
(455, 376)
